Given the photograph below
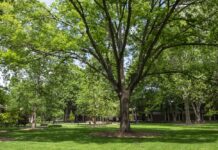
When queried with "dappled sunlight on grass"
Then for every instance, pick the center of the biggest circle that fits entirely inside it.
(78, 136)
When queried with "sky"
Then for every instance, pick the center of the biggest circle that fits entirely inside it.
(48, 2)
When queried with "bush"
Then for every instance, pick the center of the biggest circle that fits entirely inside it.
(8, 119)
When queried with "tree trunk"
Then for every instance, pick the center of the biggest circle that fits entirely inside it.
(136, 118)
(94, 120)
(165, 116)
(179, 117)
(83, 118)
(187, 112)
(197, 111)
(174, 116)
(209, 118)
(33, 118)
(168, 116)
(124, 111)
(151, 117)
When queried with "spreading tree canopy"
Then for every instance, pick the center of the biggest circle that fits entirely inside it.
(121, 39)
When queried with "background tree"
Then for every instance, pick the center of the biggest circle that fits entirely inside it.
(96, 98)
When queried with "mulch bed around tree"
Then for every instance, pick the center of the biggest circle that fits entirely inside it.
(131, 134)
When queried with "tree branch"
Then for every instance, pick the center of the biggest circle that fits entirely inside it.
(139, 73)
(78, 7)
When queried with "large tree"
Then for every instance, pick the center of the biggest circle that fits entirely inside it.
(126, 37)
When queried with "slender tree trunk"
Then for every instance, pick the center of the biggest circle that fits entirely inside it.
(94, 120)
(165, 116)
(174, 116)
(202, 117)
(187, 112)
(179, 117)
(151, 116)
(33, 118)
(136, 119)
(124, 111)
(168, 115)
(42, 118)
(182, 115)
(175, 112)
(83, 118)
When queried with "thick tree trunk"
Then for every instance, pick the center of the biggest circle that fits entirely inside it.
(124, 111)
(187, 112)
(198, 118)
(197, 111)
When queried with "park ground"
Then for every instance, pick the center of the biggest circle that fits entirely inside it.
(82, 137)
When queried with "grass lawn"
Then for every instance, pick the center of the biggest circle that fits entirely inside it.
(78, 137)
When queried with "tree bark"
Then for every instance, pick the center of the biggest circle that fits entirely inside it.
(165, 116)
(136, 118)
(182, 115)
(179, 117)
(187, 112)
(94, 120)
(151, 117)
(168, 116)
(197, 111)
(174, 116)
(124, 111)
(33, 118)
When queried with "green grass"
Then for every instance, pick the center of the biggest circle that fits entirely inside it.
(77, 137)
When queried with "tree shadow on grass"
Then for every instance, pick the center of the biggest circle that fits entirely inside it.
(83, 135)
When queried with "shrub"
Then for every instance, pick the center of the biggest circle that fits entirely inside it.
(8, 119)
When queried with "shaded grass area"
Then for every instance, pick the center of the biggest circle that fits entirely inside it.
(172, 136)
